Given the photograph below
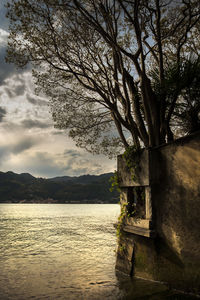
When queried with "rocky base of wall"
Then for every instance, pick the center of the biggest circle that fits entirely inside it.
(153, 259)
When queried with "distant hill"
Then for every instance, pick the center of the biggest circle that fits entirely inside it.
(84, 179)
(26, 188)
(24, 177)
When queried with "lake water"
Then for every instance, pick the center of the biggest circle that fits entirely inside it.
(64, 251)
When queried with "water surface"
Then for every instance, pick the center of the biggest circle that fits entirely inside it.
(64, 251)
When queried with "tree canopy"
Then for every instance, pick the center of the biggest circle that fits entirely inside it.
(117, 72)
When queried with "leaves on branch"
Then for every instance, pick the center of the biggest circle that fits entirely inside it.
(114, 71)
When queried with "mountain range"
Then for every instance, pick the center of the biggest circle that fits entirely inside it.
(25, 188)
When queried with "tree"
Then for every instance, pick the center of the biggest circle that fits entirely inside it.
(105, 65)
(182, 80)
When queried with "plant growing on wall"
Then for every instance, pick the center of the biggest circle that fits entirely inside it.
(114, 180)
(120, 224)
(132, 159)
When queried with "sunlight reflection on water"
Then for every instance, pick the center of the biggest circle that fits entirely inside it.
(57, 251)
(65, 251)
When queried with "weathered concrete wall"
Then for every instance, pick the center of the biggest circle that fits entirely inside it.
(173, 254)
(142, 174)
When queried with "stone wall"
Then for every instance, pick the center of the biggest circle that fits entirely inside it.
(165, 245)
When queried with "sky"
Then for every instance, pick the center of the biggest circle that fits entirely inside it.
(29, 143)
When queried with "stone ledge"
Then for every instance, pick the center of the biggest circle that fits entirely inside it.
(141, 223)
(140, 231)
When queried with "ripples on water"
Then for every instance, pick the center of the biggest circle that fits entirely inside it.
(56, 251)
(51, 251)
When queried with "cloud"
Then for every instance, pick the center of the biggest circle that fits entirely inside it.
(40, 164)
(16, 148)
(58, 132)
(6, 70)
(4, 154)
(36, 100)
(14, 94)
(4, 21)
(23, 144)
(2, 113)
(14, 91)
(28, 142)
(49, 165)
(26, 156)
(77, 163)
(19, 89)
(29, 123)
(3, 36)
(8, 127)
(71, 153)
(43, 164)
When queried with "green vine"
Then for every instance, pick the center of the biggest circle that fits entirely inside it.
(115, 185)
(114, 180)
(121, 221)
(132, 160)
(120, 224)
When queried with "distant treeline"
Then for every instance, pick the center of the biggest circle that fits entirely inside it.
(26, 188)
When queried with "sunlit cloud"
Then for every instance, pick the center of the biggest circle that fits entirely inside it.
(45, 164)
(3, 35)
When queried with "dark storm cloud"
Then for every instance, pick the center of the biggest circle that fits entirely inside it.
(2, 113)
(28, 123)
